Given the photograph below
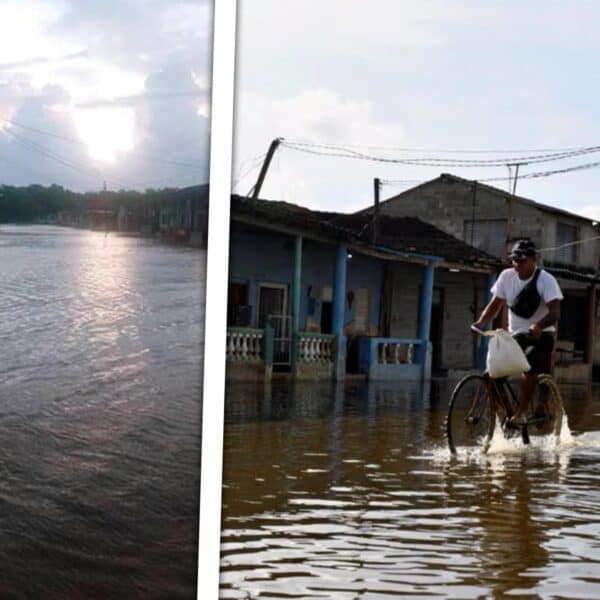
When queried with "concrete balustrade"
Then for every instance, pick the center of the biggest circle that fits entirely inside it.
(315, 347)
(244, 344)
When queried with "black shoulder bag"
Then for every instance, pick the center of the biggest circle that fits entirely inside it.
(528, 300)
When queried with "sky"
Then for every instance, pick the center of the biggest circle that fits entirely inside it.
(105, 93)
(398, 79)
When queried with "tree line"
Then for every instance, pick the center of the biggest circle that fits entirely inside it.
(35, 203)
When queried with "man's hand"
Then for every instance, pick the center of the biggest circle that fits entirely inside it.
(479, 324)
(535, 330)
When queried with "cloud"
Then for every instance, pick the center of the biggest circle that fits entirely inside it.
(131, 70)
(431, 75)
(592, 211)
(321, 115)
(42, 60)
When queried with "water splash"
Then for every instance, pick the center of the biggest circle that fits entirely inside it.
(500, 445)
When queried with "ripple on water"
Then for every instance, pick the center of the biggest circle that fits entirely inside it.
(368, 502)
(99, 415)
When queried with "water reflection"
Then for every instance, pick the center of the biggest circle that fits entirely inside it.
(100, 376)
(349, 491)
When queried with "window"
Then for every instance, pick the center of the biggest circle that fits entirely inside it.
(489, 235)
(566, 234)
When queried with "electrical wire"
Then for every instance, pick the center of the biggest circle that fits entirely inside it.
(447, 150)
(81, 143)
(255, 163)
(533, 175)
(569, 244)
(31, 145)
(346, 152)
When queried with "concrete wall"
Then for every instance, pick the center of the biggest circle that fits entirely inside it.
(264, 256)
(447, 204)
(458, 292)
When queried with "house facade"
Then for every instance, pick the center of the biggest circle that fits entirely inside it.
(320, 295)
(490, 219)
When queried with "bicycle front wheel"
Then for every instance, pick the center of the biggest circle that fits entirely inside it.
(547, 408)
(471, 417)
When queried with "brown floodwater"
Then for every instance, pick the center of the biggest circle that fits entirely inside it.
(349, 491)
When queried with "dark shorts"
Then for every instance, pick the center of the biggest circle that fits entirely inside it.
(539, 352)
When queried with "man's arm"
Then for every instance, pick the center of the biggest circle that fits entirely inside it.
(551, 318)
(490, 312)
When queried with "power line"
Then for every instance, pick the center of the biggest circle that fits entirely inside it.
(31, 145)
(534, 175)
(442, 150)
(345, 152)
(576, 243)
(255, 163)
(81, 143)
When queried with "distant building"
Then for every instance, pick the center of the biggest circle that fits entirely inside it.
(182, 215)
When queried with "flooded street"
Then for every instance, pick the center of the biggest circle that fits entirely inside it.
(100, 400)
(350, 492)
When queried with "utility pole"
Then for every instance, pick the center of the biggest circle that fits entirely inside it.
(510, 200)
(473, 203)
(263, 171)
(376, 188)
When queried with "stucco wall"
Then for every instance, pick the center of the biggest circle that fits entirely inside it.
(264, 256)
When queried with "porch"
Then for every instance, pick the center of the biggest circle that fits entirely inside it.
(314, 295)
(251, 356)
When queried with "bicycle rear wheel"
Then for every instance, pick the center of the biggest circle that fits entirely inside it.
(547, 408)
(471, 417)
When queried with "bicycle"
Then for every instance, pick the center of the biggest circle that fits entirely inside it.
(478, 400)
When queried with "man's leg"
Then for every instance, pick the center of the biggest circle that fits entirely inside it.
(526, 389)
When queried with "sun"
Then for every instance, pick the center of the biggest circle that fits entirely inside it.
(106, 131)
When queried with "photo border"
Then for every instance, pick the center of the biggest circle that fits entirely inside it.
(213, 402)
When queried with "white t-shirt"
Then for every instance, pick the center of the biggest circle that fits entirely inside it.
(508, 285)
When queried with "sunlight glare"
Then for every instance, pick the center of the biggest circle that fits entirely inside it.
(106, 131)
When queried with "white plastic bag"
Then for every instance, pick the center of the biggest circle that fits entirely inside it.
(505, 357)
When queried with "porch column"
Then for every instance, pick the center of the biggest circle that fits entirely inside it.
(483, 342)
(339, 301)
(425, 319)
(589, 349)
(296, 300)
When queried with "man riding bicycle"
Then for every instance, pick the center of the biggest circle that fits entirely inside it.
(533, 298)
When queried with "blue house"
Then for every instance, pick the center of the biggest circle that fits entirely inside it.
(323, 294)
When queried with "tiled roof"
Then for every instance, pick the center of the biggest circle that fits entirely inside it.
(398, 234)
